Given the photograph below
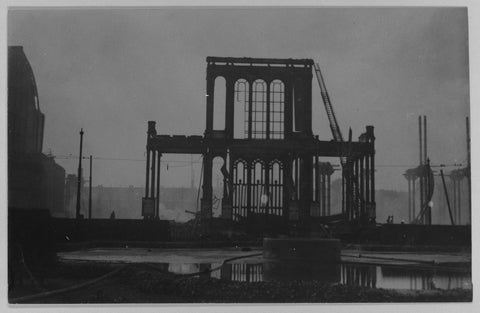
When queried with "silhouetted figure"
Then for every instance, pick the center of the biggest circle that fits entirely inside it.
(112, 216)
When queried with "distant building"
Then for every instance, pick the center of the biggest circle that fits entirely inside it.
(35, 180)
(127, 201)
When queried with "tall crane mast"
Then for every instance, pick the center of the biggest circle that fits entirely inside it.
(336, 132)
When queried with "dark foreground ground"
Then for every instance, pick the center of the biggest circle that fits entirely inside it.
(145, 284)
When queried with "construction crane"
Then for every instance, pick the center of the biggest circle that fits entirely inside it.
(336, 132)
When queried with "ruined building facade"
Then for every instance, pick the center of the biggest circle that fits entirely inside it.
(35, 180)
(260, 130)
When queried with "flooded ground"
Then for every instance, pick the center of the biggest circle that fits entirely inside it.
(387, 270)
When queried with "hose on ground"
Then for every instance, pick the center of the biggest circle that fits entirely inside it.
(110, 274)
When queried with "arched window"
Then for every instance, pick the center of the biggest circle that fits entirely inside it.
(276, 173)
(275, 192)
(259, 109)
(258, 186)
(219, 100)
(262, 116)
(239, 203)
(239, 171)
(277, 104)
(240, 127)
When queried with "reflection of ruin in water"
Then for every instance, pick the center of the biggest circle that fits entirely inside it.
(351, 274)
(361, 275)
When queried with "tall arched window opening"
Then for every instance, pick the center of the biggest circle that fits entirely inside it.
(240, 127)
(275, 192)
(276, 108)
(258, 191)
(259, 110)
(239, 199)
(219, 100)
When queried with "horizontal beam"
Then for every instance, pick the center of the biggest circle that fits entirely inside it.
(198, 145)
(307, 62)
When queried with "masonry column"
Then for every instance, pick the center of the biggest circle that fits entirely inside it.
(362, 184)
(323, 191)
(329, 185)
(230, 109)
(152, 182)
(343, 190)
(210, 97)
(367, 180)
(147, 173)
(372, 210)
(157, 202)
(371, 139)
(409, 181)
(459, 184)
(413, 198)
(358, 212)
(151, 131)
(306, 173)
(206, 209)
(288, 108)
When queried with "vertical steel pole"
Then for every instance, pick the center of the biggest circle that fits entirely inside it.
(90, 191)
(426, 187)
(79, 176)
(425, 153)
(421, 163)
(420, 138)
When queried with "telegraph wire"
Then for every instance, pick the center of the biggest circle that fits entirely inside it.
(199, 161)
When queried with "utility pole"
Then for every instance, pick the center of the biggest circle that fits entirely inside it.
(79, 176)
(90, 191)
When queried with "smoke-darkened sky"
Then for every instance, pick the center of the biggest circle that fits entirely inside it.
(111, 70)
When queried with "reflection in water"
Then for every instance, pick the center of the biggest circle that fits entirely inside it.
(327, 273)
(414, 279)
(372, 276)
(242, 272)
(359, 275)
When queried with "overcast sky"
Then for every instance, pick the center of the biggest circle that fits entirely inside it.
(110, 71)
